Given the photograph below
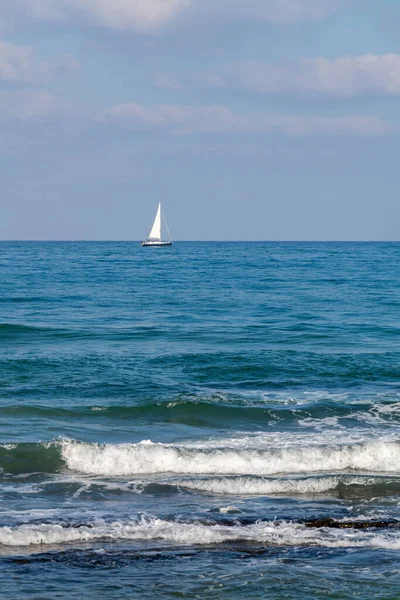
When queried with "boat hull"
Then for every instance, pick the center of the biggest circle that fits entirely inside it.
(156, 244)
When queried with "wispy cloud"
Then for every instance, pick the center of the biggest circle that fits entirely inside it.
(273, 11)
(151, 15)
(19, 65)
(185, 120)
(179, 119)
(165, 82)
(30, 105)
(345, 76)
(136, 15)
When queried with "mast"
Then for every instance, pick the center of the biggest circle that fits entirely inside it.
(166, 225)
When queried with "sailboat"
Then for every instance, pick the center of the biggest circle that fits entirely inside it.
(155, 237)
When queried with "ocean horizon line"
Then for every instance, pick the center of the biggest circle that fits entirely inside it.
(123, 241)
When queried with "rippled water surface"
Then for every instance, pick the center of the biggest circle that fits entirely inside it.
(211, 420)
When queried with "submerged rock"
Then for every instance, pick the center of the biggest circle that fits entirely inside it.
(333, 524)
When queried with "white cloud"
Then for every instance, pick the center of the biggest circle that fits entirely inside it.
(181, 119)
(352, 75)
(346, 76)
(184, 120)
(358, 125)
(30, 104)
(139, 15)
(165, 82)
(18, 64)
(151, 15)
(273, 11)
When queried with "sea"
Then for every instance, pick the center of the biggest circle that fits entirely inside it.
(209, 420)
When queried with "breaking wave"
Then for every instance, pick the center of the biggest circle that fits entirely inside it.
(195, 534)
(78, 486)
(259, 486)
(224, 458)
(148, 458)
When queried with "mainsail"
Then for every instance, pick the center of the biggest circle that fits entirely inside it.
(155, 237)
(155, 233)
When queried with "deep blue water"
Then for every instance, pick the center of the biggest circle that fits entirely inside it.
(173, 421)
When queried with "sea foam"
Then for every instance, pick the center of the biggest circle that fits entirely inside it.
(259, 486)
(192, 534)
(148, 458)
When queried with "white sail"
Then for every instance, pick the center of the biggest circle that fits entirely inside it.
(155, 237)
(155, 233)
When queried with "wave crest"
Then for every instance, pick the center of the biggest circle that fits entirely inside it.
(151, 529)
(148, 458)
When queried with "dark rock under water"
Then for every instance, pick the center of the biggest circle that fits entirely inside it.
(333, 524)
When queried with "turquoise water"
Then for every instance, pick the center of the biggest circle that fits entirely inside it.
(174, 422)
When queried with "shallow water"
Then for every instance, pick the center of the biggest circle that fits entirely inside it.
(172, 420)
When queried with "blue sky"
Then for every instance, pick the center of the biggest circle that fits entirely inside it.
(256, 119)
